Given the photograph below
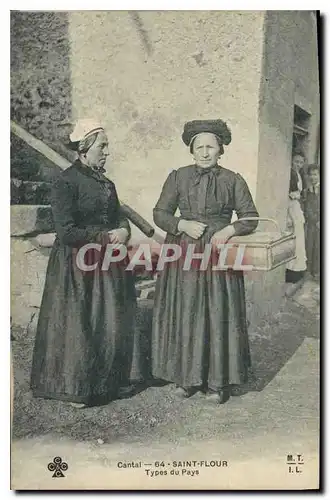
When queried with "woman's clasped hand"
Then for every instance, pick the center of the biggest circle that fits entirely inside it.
(118, 236)
(192, 228)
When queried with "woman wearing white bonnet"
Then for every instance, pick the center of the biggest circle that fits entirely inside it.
(83, 136)
(84, 338)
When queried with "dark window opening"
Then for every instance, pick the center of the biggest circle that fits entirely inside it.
(300, 130)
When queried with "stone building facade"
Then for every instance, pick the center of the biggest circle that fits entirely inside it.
(145, 73)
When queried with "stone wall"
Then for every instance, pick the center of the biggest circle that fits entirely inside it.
(40, 75)
(28, 272)
(41, 104)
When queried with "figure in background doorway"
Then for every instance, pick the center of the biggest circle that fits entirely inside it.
(296, 220)
(312, 215)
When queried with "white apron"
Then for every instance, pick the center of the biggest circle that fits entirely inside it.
(296, 223)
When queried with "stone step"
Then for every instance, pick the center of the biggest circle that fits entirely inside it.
(26, 220)
(30, 192)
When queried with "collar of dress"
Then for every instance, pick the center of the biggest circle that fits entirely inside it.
(210, 172)
(97, 175)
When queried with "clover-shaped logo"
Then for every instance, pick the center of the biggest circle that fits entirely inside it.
(57, 466)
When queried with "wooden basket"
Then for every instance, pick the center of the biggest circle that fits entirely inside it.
(266, 250)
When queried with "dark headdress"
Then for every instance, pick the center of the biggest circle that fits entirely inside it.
(217, 127)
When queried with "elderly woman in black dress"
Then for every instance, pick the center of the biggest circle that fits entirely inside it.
(83, 344)
(200, 338)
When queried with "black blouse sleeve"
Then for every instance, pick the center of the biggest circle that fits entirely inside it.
(244, 207)
(166, 206)
(63, 206)
(123, 221)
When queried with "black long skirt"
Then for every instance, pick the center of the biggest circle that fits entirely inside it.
(200, 333)
(313, 247)
(84, 339)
